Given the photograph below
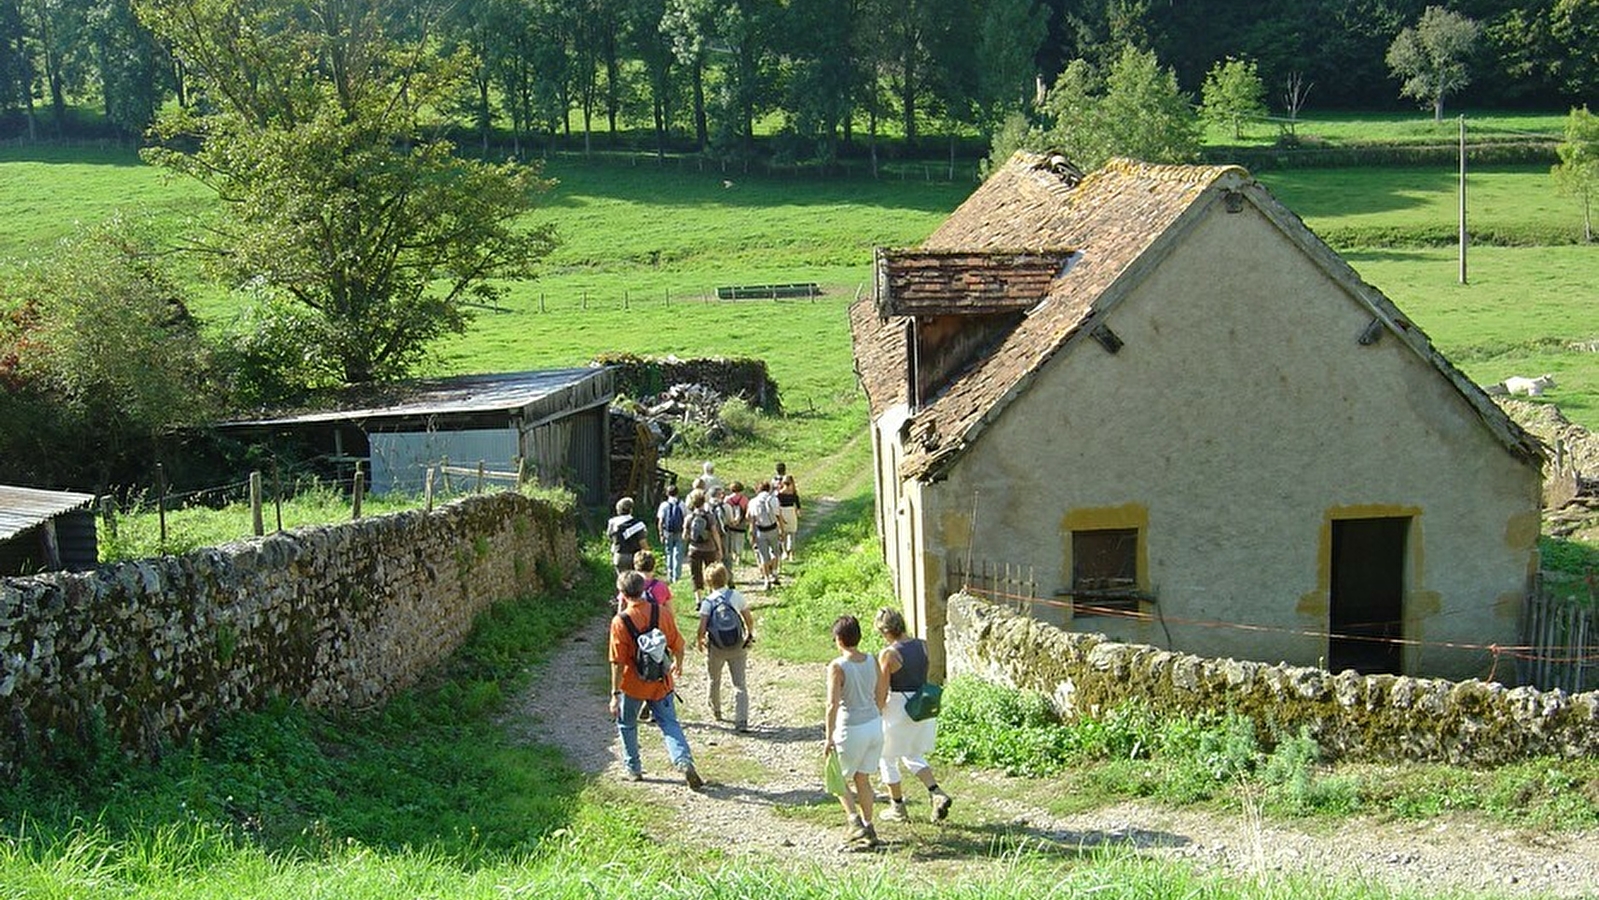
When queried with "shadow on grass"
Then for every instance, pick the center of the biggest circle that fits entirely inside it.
(957, 841)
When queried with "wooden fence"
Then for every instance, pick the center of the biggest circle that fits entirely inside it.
(1561, 638)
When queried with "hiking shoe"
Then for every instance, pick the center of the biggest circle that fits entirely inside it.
(695, 782)
(634, 776)
(895, 813)
(860, 834)
(941, 805)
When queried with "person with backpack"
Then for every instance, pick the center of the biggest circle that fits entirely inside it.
(646, 652)
(903, 663)
(737, 524)
(628, 535)
(655, 590)
(788, 501)
(727, 628)
(704, 536)
(856, 692)
(765, 519)
(669, 520)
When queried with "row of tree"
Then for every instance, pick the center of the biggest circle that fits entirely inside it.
(707, 73)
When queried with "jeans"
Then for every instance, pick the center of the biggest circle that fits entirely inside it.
(665, 713)
(673, 548)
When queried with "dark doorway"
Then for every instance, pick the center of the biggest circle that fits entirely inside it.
(1366, 613)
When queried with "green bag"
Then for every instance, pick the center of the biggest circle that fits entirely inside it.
(833, 774)
(925, 702)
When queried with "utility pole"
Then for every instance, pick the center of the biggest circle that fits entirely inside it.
(1462, 198)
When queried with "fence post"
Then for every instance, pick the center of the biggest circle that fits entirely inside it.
(541, 301)
(444, 473)
(625, 298)
(161, 501)
(427, 491)
(256, 525)
(357, 491)
(108, 514)
(479, 477)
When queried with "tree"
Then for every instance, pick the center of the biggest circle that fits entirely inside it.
(1232, 93)
(98, 352)
(1577, 175)
(334, 195)
(1135, 111)
(1432, 57)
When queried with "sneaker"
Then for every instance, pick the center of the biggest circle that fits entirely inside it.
(634, 776)
(860, 834)
(941, 805)
(695, 782)
(895, 813)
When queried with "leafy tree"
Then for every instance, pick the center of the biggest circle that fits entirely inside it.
(692, 27)
(1010, 33)
(129, 65)
(1577, 175)
(98, 352)
(1574, 26)
(1432, 57)
(1136, 111)
(1232, 93)
(334, 194)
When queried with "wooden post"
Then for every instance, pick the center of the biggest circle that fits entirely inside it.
(625, 298)
(444, 473)
(427, 491)
(479, 477)
(49, 545)
(357, 491)
(257, 527)
(1462, 198)
(541, 301)
(108, 514)
(161, 501)
(277, 493)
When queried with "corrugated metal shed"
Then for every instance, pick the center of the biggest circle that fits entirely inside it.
(23, 508)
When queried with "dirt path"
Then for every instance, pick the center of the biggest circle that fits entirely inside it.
(764, 787)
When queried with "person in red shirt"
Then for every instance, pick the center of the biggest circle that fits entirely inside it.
(630, 692)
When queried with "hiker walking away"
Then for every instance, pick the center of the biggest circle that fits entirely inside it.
(789, 501)
(856, 691)
(655, 590)
(646, 652)
(669, 519)
(628, 535)
(727, 628)
(708, 475)
(704, 541)
(737, 525)
(903, 664)
(767, 522)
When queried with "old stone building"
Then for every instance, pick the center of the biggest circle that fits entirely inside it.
(1154, 391)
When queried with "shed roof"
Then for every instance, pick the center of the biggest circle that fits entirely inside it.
(1117, 219)
(22, 508)
(538, 393)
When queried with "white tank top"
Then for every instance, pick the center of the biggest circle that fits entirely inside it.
(860, 690)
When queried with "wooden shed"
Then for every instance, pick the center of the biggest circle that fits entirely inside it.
(46, 530)
(553, 423)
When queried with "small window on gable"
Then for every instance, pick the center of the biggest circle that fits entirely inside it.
(1105, 570)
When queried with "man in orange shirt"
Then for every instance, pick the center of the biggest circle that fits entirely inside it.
(631, 691)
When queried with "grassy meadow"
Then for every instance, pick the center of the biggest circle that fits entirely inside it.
(431, 797)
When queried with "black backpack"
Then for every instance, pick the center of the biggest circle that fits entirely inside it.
(650, 656)
(724, 627)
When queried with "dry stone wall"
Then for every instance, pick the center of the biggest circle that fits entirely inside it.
(1372, 717)
(335, 617)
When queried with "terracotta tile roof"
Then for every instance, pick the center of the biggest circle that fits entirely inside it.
(880, 362)
(944, 282)
(1111, 218)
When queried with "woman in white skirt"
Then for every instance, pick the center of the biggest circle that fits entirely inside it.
(903, 667)
(856, 690)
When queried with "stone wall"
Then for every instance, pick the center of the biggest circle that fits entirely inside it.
(1371, 717)
(336, 617)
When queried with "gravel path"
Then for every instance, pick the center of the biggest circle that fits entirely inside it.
(751, 779)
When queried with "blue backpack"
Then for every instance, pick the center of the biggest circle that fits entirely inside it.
(724, 626)
(672, 519)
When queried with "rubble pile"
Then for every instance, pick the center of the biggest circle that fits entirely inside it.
(679, 405)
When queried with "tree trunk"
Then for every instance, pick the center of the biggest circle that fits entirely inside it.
(701, 130)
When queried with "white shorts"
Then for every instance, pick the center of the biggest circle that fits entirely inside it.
(860, 747)
(904, 737)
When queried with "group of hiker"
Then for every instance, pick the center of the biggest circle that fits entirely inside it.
(714, 523)
(868, 729)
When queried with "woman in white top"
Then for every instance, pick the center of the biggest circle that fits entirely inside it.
(856, 692)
